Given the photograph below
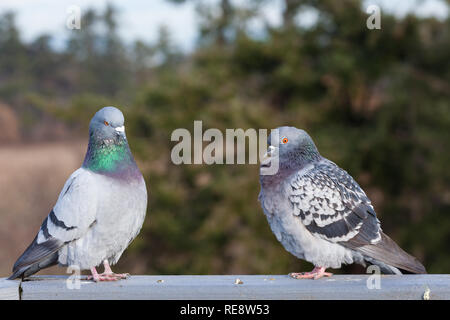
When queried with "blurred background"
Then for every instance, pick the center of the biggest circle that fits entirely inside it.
(376, 102)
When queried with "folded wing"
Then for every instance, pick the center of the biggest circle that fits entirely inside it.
(332, 206)
(71, 217)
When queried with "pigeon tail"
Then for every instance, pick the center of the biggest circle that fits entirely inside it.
(384, 268)
(387, 253)
(27, 271)
(36, 257)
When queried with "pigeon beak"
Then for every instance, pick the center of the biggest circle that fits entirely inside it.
(120, 130)
(270, 151)
(267, 161)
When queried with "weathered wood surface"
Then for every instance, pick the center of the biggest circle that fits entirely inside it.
(226, 288)
(9, 290)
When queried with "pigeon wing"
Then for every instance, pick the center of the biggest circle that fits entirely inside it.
(73, 214)
(332, 205)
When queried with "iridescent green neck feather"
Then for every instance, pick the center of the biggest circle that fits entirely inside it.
(110, 157)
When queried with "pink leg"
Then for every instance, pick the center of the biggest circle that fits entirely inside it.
(110, 273)
(107, 267)
(316, 273)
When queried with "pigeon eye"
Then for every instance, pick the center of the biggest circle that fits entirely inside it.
(106, 123)
(284, 140)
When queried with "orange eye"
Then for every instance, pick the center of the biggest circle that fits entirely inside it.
(106, 123)
(284, 140)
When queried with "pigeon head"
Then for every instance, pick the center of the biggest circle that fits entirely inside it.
(294, 148)
(108, 125)
(108, 151)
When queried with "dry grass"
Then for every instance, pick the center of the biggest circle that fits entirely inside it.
(31, 177)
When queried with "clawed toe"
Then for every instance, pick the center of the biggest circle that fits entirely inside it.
(301, 275)
(108, 277)
(316, 273)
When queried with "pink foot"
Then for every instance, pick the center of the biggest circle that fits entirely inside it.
(316, 273)
(107, 275)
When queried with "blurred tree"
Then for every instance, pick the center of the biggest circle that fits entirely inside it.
(290, 10)
(217, 25)
(100, 56)
(113, 61)
(13, 58)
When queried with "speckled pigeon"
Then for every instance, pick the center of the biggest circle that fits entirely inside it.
(100, 209)
(320, 214)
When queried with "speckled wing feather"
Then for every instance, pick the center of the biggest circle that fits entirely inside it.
(332, 205)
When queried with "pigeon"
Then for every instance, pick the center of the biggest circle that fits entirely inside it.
(319, 213)
(100, 209)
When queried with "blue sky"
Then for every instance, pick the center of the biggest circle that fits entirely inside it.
(142, 19)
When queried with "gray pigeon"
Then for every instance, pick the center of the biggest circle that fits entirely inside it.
(100, 209)
(320, 214)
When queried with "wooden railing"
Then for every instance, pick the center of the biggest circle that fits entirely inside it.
(232, 287)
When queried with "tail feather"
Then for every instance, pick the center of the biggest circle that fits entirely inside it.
(388, 252)
(27, 271)
(36, 257)
(384, 268)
